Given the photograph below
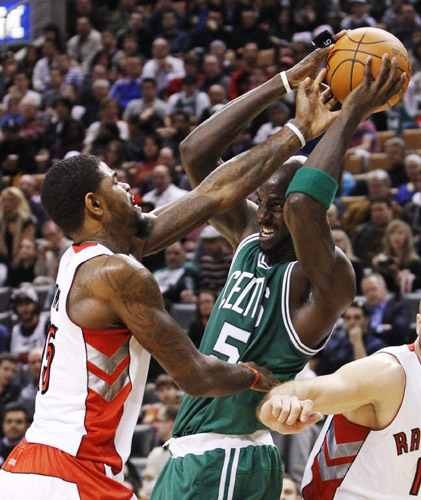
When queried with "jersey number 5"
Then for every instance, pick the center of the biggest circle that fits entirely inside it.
(48, 359)
(222, 347)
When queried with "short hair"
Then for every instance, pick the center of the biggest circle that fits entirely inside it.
(360, 304)
(381, 199)
(13, 406)
(65, 187)
(148, 80)
(7, 356)
(379, 175)
(163, 380)
(395, 141)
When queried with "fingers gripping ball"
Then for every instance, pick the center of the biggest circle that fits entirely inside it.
(345, 64)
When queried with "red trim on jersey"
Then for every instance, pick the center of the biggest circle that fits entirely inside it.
(344, 432)
(106, 341)
(79, 248)
(101, 422)
(88, 475)
(411, 347)
(110, 379)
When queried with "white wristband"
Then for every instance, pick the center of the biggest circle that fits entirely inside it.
(297, 132)
(285, 81)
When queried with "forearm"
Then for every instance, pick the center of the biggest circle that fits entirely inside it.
(202, 148)
(329, 152)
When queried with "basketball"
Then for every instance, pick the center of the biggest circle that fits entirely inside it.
(345, 64)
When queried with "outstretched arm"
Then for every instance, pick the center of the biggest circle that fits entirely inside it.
(368, 392)
(229, 185)
(326, 268)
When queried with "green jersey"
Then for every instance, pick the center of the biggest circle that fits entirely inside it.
(250, 322)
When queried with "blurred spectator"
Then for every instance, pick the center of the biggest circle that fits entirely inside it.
(278, 116)
(395, 149)
(56, 81)
(218, 98)
(81, 8)
(178, 39)
(359, 16)
(16, 223)
(406, 191)
(167, 392)
(29, 60)
(21, 85)
(290, 490)
(128, 88)
(130, 48)
(248, 30)
(41, 73)
(364, 140)
(29, 391)
(150, 152)
(164, 190)
(87, 41)
(350, 340)
(72, 73)
(70, 138)
(50, 250)
(138, 27)
(155, 17)
(389, 318)
(190, 99)
(9, 67)
(215, 261)
(17, 154)
(31, 328)
(178, 279)
(98, 92)
(34, 123)
(116, 156)
(179, 130)
(239, 81)
(205, 302)
(4, 339)
(358, 212)
(341, 240)
(108, 112)
(163, 67)
(214, 29)
(15, 422)
(9, 389)
(398, 262)
(213, 74)
(23, 269)
(368, 237)
(157, 457)
(408, 22)
(148, 102)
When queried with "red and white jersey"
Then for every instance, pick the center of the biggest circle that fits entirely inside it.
(91, 382)
(352, 462)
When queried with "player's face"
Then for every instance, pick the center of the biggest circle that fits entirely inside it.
(270, 215)
(125, 217)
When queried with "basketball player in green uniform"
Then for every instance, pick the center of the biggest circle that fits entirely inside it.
(287, 286)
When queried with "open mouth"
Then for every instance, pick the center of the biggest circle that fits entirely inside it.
(266, 232)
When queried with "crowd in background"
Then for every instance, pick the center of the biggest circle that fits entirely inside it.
(127, 82)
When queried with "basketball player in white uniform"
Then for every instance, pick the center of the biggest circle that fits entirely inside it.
(370, 445)
(107, 315)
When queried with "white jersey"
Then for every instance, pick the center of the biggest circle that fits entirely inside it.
(91, 382)
(352, 462)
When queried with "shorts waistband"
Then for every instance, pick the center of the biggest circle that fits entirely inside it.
(198, 444)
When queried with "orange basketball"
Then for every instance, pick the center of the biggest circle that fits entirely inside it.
(345, 64)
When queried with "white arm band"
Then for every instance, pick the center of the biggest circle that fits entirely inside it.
(285, 81)
(297, 132)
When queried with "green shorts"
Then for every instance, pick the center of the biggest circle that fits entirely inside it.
(245, 473)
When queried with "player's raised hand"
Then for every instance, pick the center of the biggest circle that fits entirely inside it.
(313, 107)
(287, 414)
(374, 92)
(310, 65)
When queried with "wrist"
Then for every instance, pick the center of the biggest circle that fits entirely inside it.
(256, 374)
(302, 126)
(294, 82)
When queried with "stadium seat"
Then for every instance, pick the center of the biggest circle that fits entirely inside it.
(383, 136)
(377, 160)
(412, 138)
(353, 164)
